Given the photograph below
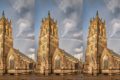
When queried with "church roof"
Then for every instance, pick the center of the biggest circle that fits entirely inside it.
(114, 54)
(68, 55)
(23, 55)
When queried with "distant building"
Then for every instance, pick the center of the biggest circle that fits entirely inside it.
(12, 61)
(99, 59)
(50, 58)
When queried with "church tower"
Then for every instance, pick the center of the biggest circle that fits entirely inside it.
(48, 42)
(6, 41)
(96, 42)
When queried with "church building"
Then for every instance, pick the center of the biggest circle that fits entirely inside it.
(50, 58)
(98, 58)
(12, 61)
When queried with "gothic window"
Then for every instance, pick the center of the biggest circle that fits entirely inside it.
(57, 62)
(11, 62)
(105, 64)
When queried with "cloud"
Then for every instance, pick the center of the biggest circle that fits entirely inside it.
(23, 14)
(32, 56)
(77, 34)
(79, 50)
(70, 24)
(79, 56)
(24, 44)
(67, 4)
(31, 35)
(71, 11)
(23, 24)
(74, 40)
(23, 5)
(115, 27)
(113, 5)
(69, 45)
(32, 50)
(114, 21)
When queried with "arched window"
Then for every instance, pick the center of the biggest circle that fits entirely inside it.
(105, 62)
(57, 62)
(11, 62)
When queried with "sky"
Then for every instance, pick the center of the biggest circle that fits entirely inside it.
(72, 16)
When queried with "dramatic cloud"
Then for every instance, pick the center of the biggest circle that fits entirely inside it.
(115, 25)
(70, 25)
(71, 10)
(24, 12)
(23, 5)
(113, 5)
(79, 56)
(23, 25)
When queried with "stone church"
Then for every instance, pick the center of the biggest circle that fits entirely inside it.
(50, 58)
(98, 58)
(12, 61)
